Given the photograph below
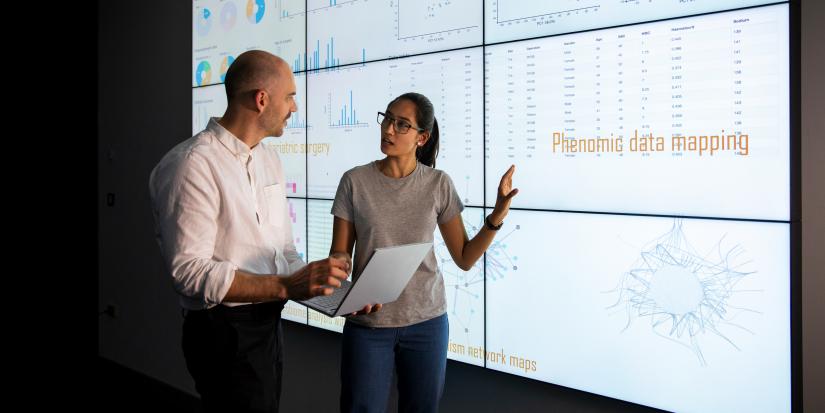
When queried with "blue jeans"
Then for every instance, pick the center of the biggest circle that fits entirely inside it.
(418, 355)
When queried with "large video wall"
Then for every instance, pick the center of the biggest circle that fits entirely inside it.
(647, 256)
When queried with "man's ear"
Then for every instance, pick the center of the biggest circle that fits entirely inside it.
(261, 99)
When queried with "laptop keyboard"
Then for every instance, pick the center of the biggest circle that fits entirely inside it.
(332, 301)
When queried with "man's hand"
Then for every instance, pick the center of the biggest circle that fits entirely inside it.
(316, 278)
(369, 308)
(344, 257)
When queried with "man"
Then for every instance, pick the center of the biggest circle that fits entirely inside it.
(225, 235)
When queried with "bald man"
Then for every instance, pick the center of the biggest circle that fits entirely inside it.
(225, 235)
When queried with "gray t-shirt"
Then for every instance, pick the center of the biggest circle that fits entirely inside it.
(393, 211)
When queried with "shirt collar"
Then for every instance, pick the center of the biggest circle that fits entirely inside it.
(227, 139)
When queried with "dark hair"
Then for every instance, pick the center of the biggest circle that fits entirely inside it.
(425, 118)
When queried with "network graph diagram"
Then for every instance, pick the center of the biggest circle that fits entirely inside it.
(684, 294)
(641, 298)
(501, 261)
(464, 293)
(465, 289)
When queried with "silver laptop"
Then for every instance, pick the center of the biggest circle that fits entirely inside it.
(382, 281)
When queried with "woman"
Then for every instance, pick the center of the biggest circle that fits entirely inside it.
(393, 201)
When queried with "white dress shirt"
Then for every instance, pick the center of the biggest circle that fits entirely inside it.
(220, 206)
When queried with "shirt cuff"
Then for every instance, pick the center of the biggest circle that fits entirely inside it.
(223, 275)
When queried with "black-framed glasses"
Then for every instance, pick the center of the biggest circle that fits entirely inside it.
(400, 125)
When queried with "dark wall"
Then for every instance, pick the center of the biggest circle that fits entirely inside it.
(144, 108)
(813, 204)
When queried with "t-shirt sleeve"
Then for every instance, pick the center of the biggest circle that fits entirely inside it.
(450, 203)
(342, 205)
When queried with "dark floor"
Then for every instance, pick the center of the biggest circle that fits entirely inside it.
(309, 349)
(123, 389)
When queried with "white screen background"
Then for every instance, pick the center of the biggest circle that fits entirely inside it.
(638, 291)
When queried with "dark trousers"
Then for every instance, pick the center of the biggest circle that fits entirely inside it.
(416, 353)
(234, 354)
